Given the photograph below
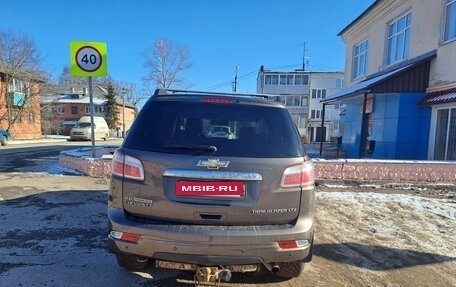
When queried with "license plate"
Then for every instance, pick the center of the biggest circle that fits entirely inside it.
(243, 268)
(210, 188)
(174, 265)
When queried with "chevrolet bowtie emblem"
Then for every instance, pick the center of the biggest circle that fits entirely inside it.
(213, 163)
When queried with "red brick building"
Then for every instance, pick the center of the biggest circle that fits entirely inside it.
(20, 107)
(63, 105)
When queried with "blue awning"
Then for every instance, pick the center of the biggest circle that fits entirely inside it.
(362, 87)
(378, 78)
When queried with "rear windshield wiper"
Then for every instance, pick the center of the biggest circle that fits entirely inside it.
(193, 147)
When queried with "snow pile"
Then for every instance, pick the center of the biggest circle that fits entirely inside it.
(402, 221)
(47, 166)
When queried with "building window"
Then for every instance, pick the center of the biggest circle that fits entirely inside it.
(101, 109)
(74, 110)
(301, 80)
(16, 93)
(399, 39)
(445, 135)
(60, 110)
(297, 101)
(290, 80)
(16, 85)
(31, 118)
(271, 80)
(318, 93)
(275, 80)
(315, 114)
(294, 101)
(450, 20)
(87, 110)
(340, 83)
(360, 59)
(15, 115)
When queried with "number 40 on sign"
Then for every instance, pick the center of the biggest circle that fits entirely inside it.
(88, 59)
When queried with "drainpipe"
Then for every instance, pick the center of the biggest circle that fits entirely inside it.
(322, 128)
(362, 142)
(262, 79)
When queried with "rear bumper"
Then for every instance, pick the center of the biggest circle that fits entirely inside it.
(210, 244)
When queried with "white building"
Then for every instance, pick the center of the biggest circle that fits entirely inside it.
(401, 80)
(323, 84)
(301, 91)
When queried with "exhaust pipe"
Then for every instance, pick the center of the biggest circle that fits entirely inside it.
(272, 267)
(224, 274)
(212, 274)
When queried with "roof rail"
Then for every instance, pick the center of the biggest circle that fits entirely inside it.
(167, 92)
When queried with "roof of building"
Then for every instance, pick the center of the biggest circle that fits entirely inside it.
(376, 79)
(359, 17)
(77, 94)
(439, 97)
(33, 76)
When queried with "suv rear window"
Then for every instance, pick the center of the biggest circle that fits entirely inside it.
(192, 127)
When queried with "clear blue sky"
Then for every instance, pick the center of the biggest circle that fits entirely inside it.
(220, 34)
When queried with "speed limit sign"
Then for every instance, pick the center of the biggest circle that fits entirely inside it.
(88, 59)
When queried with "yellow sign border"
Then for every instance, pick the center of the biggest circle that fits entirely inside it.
(76, 71)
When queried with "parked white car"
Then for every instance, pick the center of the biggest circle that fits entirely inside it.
(222, 132)
(83, 131)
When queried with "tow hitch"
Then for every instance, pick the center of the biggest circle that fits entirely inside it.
(213, 275)
(208, 275)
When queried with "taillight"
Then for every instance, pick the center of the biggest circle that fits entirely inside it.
(299, 175)
(129, 237)
(292, 244)
(127, 166)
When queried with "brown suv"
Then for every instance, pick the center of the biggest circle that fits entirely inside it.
(189, 200)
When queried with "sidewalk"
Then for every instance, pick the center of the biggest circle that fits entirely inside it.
(54, 138)
(44, 139)
(330, 150)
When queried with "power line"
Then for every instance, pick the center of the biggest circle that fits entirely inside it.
(218, 86)
(282, 67)
(228, 83)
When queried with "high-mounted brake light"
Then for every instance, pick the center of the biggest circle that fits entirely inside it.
(302, 175)
(217, 100)
(127, 166)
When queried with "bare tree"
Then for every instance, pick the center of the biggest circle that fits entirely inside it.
(66, 78)
(128, 91)
(20, 63)
(165, 62)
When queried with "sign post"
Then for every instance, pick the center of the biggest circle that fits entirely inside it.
(88, 59)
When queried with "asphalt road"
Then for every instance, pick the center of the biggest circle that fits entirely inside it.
(38, 155)
(53, 233)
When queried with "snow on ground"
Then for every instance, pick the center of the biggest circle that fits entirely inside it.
(48, 166)
(425, 223)
(404, 221)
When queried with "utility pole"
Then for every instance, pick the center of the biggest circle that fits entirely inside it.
(303, 56)
(124, 91)
(303, 44)
(236, 79)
